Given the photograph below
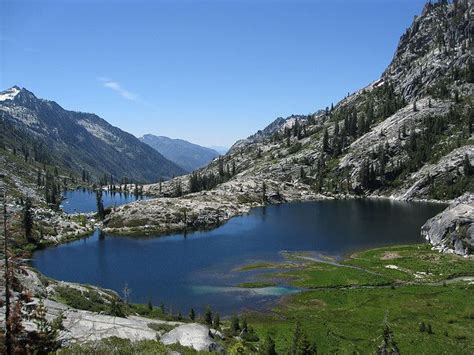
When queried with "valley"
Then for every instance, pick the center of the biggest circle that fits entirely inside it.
(346, 230)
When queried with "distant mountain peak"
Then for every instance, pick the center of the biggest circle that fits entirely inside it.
(78, 140)
(187, 155)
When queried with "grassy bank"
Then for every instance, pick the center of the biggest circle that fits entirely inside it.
(425, 296)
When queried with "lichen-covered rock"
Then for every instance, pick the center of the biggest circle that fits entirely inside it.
(453, 229)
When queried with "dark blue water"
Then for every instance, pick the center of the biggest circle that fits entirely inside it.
(197, 269)
(84, 201)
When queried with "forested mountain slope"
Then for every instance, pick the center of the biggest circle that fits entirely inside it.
(409, 135)
(43, 131)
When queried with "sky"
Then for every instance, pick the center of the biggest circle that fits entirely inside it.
(210, 72)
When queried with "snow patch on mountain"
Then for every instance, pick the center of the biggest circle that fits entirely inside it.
(9, 94)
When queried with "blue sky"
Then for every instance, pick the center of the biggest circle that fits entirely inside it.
(207, 71)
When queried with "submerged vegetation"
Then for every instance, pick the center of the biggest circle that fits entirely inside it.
(406, 298)
(343, 309)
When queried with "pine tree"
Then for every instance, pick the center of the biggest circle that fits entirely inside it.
(192, 314)
(268, 347)
(45, 338)
(217, 321)
(244, 326)
(221, 166)
(300, 344)
(325, 140)
(302, 174)
(234, 324)
(467, 167)
(336, 128)
(422, 327)
(264, 192)
(388, 346)
(27, 219)
(100, 204)
(38, 178)
(208, 316)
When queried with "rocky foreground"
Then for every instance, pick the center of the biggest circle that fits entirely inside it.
(81, 326)
(453, 229)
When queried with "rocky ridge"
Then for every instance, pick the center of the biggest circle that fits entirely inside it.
(407, 135)
(45, 132)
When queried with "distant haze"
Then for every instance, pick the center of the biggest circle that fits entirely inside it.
(219, 149)
(187, 155)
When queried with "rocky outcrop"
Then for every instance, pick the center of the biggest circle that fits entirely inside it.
(82, 326)
(453, 229)
(418, 183)
(192, 335)
(202, 210)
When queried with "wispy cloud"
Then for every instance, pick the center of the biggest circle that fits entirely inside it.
(115, 86)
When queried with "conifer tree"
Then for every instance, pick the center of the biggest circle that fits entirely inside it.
(192, 314)
(38, 178)
(268, 347)
(467, 167)
(300, 344)
(325, 140)
(27, 219)
(208, 316)
(217, 321)
(221, 166)
(264, 192)
(100, 204)
(234, 324)
(388, 346)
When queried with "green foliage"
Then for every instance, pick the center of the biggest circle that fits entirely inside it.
(300, 344)
(117, 346)
(388, 346)
(295, 148)
(216, 322)
(117, 309)
(27, 220)
(235, 325)
(100, 204)
(89, 300)
(268, 347)
(208, 316)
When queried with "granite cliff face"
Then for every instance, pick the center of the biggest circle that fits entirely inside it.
(407, 135)
(453, 229)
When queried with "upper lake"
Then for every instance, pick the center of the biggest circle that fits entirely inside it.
(198, 269)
